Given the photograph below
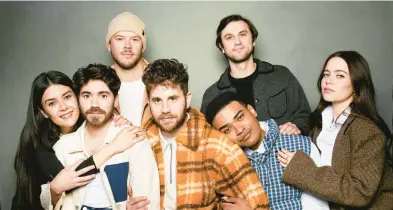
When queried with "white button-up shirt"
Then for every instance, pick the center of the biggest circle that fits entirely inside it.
(328, 135)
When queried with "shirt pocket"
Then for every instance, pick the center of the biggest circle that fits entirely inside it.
(277, 104)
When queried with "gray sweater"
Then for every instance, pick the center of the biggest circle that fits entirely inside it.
(277, 94)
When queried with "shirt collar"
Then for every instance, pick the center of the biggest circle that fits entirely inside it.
(270, 128)
(327, 116)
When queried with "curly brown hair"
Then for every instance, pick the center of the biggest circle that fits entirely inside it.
(166, 72)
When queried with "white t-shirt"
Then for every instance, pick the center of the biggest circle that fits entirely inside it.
(131, 101)
(96, 195)
(327, 137)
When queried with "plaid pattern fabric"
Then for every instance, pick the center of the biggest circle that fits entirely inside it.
(281, 195)
(207, 163)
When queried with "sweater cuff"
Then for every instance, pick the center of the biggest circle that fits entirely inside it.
(296, 171)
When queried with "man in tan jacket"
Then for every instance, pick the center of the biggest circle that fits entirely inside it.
(97, 89)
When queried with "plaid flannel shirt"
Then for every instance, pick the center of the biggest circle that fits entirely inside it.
(207, 163)
(281, 195)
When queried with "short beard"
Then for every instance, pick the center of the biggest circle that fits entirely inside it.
(95, 122)
(240, 60)
(130, 65)
(178, 124)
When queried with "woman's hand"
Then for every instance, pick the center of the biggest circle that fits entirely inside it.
(120, 121)
(127, 137)
(68, 178)
(285, 157)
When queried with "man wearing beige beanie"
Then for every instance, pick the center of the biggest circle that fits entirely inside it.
(126, 41)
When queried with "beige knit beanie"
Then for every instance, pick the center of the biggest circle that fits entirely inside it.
(126, 21)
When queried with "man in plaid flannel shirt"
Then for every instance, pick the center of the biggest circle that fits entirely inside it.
(260, 141)
(196, 163)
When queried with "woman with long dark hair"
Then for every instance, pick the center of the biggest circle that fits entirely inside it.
(352, 138)
(53, 111)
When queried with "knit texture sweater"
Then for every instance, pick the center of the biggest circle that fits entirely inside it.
(359, 177)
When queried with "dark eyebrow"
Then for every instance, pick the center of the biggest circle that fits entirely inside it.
(47, 100)
(339, 70)
(174, 96)
(237, 114)
(223, 127)
(85, 92)
(67, 92)
(52, 99)
(104, 92)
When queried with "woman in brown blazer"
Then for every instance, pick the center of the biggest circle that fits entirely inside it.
(356, 171)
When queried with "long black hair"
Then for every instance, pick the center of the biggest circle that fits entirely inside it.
(38, 131)
(364, 99)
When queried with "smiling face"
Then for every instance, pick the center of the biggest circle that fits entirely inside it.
(97, 103)
(60, 105)
(168, 106)
(237, 43)
(239, 124)
(336, 83)
(126, 48)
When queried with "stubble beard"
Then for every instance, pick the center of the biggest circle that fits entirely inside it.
(179, 123)
(128, 66)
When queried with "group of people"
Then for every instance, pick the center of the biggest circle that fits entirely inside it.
(126, 136)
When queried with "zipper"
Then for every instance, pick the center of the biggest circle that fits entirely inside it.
(170, 173)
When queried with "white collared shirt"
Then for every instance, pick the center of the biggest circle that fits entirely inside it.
(329, 132)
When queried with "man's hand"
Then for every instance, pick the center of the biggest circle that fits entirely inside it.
(229, 203)
(137, 203)
(289, 128)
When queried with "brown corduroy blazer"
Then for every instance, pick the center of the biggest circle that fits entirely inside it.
(359, 177)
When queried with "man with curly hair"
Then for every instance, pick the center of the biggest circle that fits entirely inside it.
(198, 166)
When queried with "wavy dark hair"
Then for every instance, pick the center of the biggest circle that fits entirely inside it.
(233, 18)
(96, 71)
(38, 131)
(364, 100)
